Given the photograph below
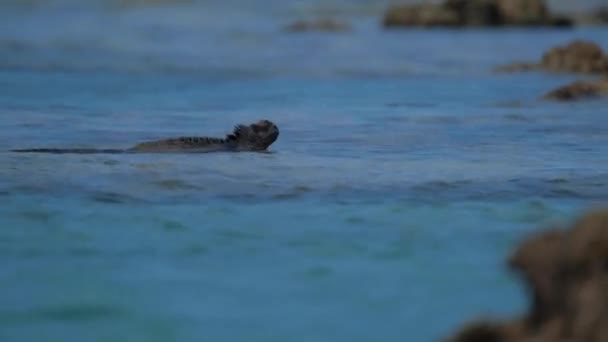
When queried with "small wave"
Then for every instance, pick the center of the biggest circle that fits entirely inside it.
(194, 249)
(114, 198)
(39, 215)
(66, 313)
(518, 117)
(409, 105)
(441, 185)
(318, 272)
(565, 193)
(176, 184)
(295, 192)
(174, 226)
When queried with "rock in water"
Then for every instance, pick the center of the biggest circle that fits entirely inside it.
(579, 90)
(524, 12)
(578, 56)
(567, 278)
(466, 13)
(477, 13)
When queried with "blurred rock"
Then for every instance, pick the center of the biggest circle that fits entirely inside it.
(477, 12)
(466, 13)
(598, 16)
(524, 12)
(576, 57)
(326, 25)
(567, 276)
(579, 90)
(421, 16)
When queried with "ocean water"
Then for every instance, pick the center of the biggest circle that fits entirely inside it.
(405, 173)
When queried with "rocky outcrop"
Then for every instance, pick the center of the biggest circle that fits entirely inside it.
(566, 272)
(576, 57)
(524, 12)
(325, 25)
(476, 13)
(464, 13)
(579, 90)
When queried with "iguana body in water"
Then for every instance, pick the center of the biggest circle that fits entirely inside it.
(255, 137)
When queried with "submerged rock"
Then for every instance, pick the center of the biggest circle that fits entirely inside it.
(462, 13)
(579, 90)
(567, 276)
(326, 25)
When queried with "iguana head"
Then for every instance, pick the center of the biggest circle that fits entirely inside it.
(255, 137)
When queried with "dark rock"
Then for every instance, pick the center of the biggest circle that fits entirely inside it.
(466, 13)
(326, 25)
(579, 90)
(481, 332)
(421, 16)
(561, 21)
(576, 57)
(567, 276)
(524, 12)
(490, 332)
(476, 13)
(535, 261)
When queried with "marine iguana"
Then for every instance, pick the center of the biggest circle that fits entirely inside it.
(255, 137)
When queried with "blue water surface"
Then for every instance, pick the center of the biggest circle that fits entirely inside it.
(405, 173)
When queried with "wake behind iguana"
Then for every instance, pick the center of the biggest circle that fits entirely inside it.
(255, 137)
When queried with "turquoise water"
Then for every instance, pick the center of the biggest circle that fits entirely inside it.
(405, 173)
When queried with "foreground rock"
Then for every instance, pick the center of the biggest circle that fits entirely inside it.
(579, 90)
(577, 57)
(325, 25)
(566, 272)
(463, 13)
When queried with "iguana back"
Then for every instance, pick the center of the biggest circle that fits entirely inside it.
(255, 137)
